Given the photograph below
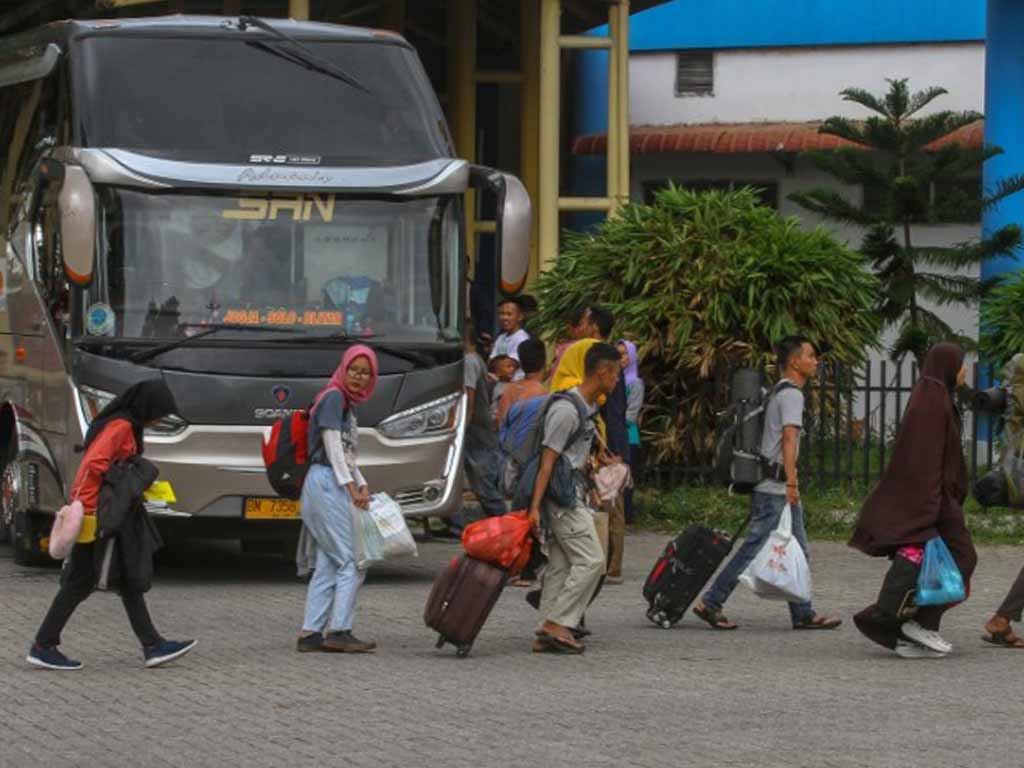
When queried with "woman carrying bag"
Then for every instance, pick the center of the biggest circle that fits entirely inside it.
(115, 435)
(919, 498)
(333, 494)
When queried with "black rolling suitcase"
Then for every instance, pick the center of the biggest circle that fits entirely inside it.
(687, 564)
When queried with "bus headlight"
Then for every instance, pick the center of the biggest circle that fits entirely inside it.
(423, 420)
(95, 400)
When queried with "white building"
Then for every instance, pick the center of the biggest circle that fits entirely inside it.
(705, 117)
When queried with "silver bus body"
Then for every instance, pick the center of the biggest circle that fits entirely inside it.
(114, 256)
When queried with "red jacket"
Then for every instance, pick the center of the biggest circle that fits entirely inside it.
(115, 442)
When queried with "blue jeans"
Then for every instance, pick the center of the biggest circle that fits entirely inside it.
(327, 511)
(483, 466)
(765, 511)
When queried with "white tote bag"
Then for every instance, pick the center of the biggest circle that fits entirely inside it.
(780, 570)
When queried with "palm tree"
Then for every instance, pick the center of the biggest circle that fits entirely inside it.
(909, 178)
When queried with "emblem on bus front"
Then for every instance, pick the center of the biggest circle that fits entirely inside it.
(281, 393)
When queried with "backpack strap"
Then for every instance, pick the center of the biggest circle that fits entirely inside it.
(773, 469)
(581, 414)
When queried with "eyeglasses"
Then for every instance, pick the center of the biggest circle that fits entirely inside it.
(360, 373)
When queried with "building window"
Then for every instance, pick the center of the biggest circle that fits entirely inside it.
(695, 73)
(767, 191)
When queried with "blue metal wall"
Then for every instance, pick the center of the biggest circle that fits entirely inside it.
(1004, 118)
(759, 23)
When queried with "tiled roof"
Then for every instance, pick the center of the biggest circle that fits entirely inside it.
(739, 138)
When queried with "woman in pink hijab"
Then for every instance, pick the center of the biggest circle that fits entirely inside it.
(334, 493)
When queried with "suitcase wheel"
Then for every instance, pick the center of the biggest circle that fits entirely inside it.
(440, 642)
(661, 619)
(463, 650)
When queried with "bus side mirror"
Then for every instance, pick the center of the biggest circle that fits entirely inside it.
(77, 205)
(513, 225)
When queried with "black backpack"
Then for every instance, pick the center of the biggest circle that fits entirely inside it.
(739, 464)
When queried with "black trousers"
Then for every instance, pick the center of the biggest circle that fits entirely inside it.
(77, 582)
(1013, 605)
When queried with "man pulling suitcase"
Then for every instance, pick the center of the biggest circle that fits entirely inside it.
(780, 446)
(564, 525)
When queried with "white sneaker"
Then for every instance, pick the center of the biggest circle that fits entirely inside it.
(926, 637)
(908, 650)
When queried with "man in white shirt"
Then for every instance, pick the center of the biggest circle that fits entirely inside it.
(510, 318)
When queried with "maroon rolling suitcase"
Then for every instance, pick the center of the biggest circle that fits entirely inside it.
(461, 600)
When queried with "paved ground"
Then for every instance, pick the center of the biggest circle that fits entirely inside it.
(641, 696)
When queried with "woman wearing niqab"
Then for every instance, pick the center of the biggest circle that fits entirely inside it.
(919, 497)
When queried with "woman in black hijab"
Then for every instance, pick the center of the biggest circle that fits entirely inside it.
(144, 403)
(920, 497)
(115, 435)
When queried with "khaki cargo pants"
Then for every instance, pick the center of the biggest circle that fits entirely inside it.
(576, 562)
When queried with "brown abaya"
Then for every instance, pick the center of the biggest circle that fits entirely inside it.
(921, 493)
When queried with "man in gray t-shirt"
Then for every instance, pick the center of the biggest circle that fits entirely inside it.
(780, 447)
(785, 409)
(481, 454)
(576, 560)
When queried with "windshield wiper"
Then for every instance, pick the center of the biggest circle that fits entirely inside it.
(411, 356)
(148, 354)
(299, 54)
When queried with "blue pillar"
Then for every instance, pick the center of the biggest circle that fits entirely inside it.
(1004, 120)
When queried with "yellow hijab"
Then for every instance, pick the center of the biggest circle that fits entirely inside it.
(571, 371)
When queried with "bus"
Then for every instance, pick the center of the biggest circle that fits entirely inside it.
(227, 204)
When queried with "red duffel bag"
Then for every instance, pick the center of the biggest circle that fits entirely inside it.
(504, 541)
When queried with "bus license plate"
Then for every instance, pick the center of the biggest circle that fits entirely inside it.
(271, 509)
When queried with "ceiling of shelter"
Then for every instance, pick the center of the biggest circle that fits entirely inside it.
(498, 37)
(497, 17)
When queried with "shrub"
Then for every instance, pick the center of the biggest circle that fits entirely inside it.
(1003, 321)
(705, 282)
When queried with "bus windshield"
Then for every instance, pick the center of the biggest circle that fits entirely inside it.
(229, 99)
(316, 263)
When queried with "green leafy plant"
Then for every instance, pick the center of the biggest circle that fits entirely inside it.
(1003, 321)
(907, 180)
(705, 282)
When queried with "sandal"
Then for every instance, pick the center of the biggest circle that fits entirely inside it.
(1004, 639)
(556, 644)
(819, 622)
(519, 581)
(714, 618)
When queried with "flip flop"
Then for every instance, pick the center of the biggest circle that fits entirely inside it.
(1005, 639)
(818, 622)
(714, 618)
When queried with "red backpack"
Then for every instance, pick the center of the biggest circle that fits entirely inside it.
(286, 454)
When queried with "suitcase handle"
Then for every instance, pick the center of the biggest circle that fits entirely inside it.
(743, 526)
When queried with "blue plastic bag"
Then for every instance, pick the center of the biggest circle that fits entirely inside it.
(939, 582)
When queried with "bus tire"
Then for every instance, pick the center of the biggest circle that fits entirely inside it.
(10, 482)
(21, 542)
(14, 519)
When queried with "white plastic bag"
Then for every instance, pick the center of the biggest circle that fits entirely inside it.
(381, 532)
(780, 570)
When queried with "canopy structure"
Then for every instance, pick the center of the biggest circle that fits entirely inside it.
(497, 65)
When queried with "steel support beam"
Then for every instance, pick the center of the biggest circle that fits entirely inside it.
(461, 87)
(550, 130)
(529, 132)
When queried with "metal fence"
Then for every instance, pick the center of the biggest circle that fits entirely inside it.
(850, 421)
